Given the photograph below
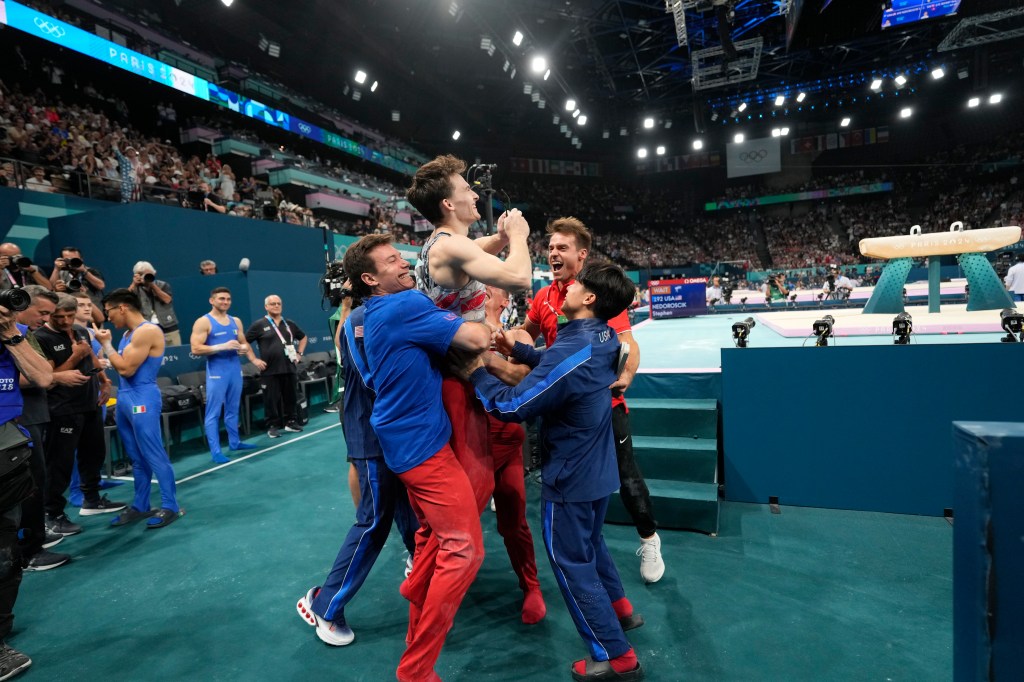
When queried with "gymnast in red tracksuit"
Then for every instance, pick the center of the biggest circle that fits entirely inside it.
(568, 387)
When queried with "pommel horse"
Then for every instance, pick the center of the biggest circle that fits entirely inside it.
(969, 246)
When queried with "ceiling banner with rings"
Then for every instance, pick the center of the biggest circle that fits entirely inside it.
(753, 157)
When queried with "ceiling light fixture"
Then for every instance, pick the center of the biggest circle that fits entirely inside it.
(517, 39)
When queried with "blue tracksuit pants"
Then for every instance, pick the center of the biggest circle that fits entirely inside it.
(138, 423)
(585, 573)
(383, 500)
(223, 392)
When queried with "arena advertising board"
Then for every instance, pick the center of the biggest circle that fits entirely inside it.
(678, 297)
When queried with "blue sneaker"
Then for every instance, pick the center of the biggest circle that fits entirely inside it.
(219, 458)
(246, 446)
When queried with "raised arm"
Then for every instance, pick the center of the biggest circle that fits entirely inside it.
(146, 339)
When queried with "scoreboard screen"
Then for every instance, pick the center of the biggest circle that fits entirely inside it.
(678, 297)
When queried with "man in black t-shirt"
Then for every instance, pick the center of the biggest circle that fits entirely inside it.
(281, 345)
(75, 422)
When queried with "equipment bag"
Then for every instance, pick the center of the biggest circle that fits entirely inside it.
(176, 397)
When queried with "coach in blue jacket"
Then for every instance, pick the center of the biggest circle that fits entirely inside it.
(568, 386)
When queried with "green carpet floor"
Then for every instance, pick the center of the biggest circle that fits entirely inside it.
(807, 594)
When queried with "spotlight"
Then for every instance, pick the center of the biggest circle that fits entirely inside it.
(845, 122)
(738, 138)
(741, 330)
(648, 123)
(396, 115)
(228, 3)
(539, 64)
(785, 131)
(801, 97)
(576, 113)
(876, 84)
(901, 80)
(517, 39)
(698, 144)
(938, 73)
(582, 120)
(902, 328)
(776, 132)
(456, 135)
(605, 134)
(780, 100)
(995, 98)
(823, 329)
(742, 107)
(373, 88)
(714, 115)
(973, 102)
(360, 77)
(906, 113)
(641, 153)
(547, 73)
(570, 104)
(1013, 325)
(623, 132)
(961, 73)
(660, 151)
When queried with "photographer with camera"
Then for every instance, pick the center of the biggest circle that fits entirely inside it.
(774, 288)
(202, 198)
(156, 297)
(713, 293)
(837, 285)
(281, 344)
(71, 274)
(18, 270)
(17, 359)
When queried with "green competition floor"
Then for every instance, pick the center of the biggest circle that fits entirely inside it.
(803, 595)
(697, 342)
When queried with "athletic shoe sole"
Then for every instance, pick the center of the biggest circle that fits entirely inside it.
(50, 543)
(93, 511)
(35, 569)
(323, 629)
(11, 673)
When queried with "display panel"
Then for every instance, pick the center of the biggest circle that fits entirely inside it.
(904, 12)
(678, 297)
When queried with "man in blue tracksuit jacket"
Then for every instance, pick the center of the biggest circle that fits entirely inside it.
(568, 386)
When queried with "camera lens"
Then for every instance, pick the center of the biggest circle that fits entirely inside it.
(148, 277)
(15, 299)
(22, 261)
(73, 263)
(74, 285)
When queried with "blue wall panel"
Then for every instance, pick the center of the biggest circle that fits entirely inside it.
(858, 427)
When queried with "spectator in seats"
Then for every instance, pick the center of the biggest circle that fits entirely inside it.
(129, 165)
(17, 359)
(76, 427)
(16, 273)
(218, 336)
(34, 539)
(281, 344)
(137, 360)
(207, 267)
(157, 299)
(38, 181)
(226, 189)
(568, 388)
(7, 175)
(1015, 278)
(70, 273)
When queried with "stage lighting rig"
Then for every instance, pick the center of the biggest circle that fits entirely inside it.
(741, 331)
(1013, 325)
(822, 329)
(902, 328)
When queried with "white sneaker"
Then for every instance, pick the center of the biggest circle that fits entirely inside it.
(335, 634)
(651, 565)
(408, 566)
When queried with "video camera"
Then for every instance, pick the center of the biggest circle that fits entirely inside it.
(741, 331)
(332, 284)
(727, 288)
(823, 329)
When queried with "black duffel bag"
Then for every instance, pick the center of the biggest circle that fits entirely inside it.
(174, 398)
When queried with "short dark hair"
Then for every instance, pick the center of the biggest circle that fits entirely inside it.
(573, 227)
(220, 290)
(607, 281)
(432, 184)
(71, 248)
(123, 297)
(358, 261)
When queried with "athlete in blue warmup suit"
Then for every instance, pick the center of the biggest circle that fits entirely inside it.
(138, 407)
(383, 499)
(219, 337)
(569, 387)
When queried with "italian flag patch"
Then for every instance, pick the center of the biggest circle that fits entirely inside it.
(138, 409)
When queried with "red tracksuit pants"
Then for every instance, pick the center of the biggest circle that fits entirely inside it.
(449, 551)
(510, 500)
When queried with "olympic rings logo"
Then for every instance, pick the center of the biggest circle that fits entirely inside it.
(305, 128)
(755, 156)
(46, 27)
